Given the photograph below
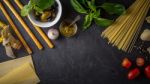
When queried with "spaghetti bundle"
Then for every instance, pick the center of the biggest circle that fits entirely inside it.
(124, 31)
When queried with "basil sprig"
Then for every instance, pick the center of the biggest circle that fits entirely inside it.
(93, 12)
(78, 7)
(37, 5)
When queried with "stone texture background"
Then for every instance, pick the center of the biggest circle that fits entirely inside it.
(83, 59)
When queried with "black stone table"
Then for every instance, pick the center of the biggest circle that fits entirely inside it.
(83, 59)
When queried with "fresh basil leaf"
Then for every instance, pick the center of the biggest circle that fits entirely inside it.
(31, 2)
(113, 8)
(103, 22)
(44, 4)
(91, 5)
(82, 2)
(39, 10)
(87, 21)
(96, 14)
(27, 9)
(77, 6)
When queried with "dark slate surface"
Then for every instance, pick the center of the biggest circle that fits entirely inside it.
(83, 59)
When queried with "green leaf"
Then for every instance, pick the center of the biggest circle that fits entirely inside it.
(96, 14)
(103, 22)
(91, 5)
(87, 21)
(26, 9)
(31, 2)
(44, 4)
(113, 8)
(39, 10)
(38, 5)
(77, 6)
(82, 2)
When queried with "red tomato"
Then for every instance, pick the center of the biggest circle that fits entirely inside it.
(140, 61)
(147, 71)
(133, 73)
(126, 63)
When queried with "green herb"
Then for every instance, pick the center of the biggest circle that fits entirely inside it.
(87, 21)
(44, 4)
(82, 2)
(103, 22)
(93, 12)
(113, 8)
(91, 5)
(96, 14)
(26, 9)
(78, 7)
(37, 5)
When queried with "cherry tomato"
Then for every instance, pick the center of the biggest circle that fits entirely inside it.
(140, 61)
(147, 71)
(133, 73)
(126, 63)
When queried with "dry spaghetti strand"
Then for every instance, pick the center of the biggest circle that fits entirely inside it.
(124, 32)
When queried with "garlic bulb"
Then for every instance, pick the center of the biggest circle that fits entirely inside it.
(53, 34)
(145, 36)
(148, 19)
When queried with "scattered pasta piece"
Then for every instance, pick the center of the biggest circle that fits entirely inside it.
(148, 19)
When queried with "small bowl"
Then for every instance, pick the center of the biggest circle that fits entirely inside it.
(32, 18)
(62, 26)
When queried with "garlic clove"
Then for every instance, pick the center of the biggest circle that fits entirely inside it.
(145, 36)
(53, 34)
(148, 19)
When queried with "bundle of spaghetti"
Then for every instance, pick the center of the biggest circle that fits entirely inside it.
(124, 31)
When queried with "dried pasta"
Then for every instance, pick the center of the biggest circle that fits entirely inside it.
(124, 31)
